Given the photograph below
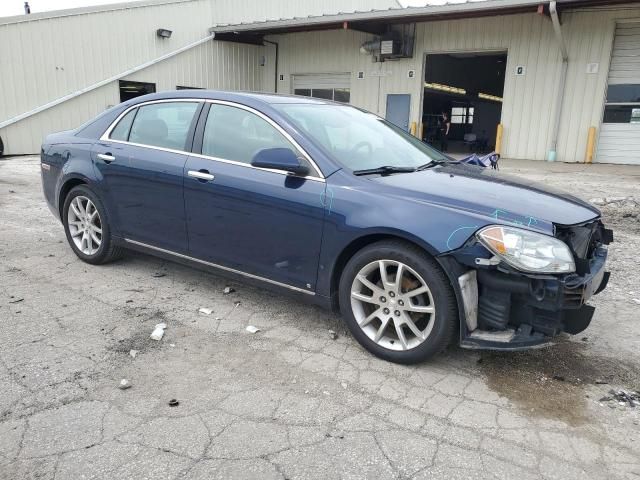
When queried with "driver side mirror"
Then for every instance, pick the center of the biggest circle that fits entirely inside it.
(283, 159)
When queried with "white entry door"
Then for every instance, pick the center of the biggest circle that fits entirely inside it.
(619, 140)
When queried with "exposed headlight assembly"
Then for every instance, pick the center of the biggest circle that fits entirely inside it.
(527, 251)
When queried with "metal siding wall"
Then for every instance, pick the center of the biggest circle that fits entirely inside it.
(49, 58)
(529, 100)
(26, 136)
(202, 67)
(198, 67)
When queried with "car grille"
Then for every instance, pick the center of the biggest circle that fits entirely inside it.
(582, 239)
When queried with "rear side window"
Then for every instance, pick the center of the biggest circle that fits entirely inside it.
(236, 134)
(121, 131)
(163, 125)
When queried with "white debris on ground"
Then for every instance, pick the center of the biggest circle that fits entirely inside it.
(629, 201)
(124, 384)
(252, 329)
(206, 311)
(133, 353)
(158, 331)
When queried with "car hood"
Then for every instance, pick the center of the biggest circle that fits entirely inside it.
(488, 193)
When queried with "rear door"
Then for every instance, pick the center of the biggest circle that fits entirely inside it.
(257, 221)
(142, 166)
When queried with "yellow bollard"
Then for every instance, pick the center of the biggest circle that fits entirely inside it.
(499, 139)
(591, 142)
(412, 130)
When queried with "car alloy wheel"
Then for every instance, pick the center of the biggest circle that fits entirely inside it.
(85, 225)
(392, 305)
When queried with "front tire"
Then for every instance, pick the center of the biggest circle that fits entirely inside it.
(87, 227)
(397, 302)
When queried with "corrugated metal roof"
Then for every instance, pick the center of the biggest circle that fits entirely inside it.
(430, 8)
(458, 9)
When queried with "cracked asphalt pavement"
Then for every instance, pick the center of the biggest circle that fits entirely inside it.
(290, 401)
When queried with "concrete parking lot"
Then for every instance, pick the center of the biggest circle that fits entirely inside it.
(291, 401)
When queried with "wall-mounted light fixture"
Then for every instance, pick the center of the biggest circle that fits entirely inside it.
(164, 33)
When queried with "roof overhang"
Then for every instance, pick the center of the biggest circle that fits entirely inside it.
(377, 21)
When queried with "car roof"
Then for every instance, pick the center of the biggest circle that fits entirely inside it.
(239, 97)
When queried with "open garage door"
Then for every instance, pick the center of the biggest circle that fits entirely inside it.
(468, 88)
(330, 86)
(620, 133)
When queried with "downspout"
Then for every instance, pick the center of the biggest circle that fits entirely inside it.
(275, 84)
(553, 11)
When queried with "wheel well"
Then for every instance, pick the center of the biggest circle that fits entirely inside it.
(351, 249)
(64, 191)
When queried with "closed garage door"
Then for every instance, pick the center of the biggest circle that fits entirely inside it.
(330, 86)
(620, 133)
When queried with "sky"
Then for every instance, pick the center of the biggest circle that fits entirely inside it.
(9, 8)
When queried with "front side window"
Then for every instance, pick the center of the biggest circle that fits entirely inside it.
(359, 140)
(163, 125)
(236, 134)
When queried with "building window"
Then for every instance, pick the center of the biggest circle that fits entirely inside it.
(623, 104)
(462, 115)
(337, 94)
(129, 90)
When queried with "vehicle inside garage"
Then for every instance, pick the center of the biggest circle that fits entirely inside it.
(468, 88)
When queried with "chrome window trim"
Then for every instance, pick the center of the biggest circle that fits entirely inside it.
(275, 125)
(247, 165)
(220, 267)
(105, 136)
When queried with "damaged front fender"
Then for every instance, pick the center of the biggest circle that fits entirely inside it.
(505, 309)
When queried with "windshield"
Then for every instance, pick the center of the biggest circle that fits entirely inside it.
(359, 140)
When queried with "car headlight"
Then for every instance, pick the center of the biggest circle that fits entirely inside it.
(528, 251)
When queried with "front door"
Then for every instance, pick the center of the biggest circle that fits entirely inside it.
(142, 166)
(257, 221)
(398, 110)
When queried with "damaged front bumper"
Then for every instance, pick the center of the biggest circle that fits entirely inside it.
(505, 309)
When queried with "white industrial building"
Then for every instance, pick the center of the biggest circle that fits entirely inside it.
(536, 80)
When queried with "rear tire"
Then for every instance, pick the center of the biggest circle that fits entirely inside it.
(403, 319)
(86, 225)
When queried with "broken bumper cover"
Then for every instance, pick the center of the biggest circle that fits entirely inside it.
(515, 311)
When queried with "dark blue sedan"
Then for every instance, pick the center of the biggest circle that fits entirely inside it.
(337, 206)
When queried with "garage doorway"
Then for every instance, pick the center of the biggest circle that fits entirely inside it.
(129, 90)
(468, 87)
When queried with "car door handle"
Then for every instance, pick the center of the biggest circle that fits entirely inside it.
(106, 157)
(201, 175)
